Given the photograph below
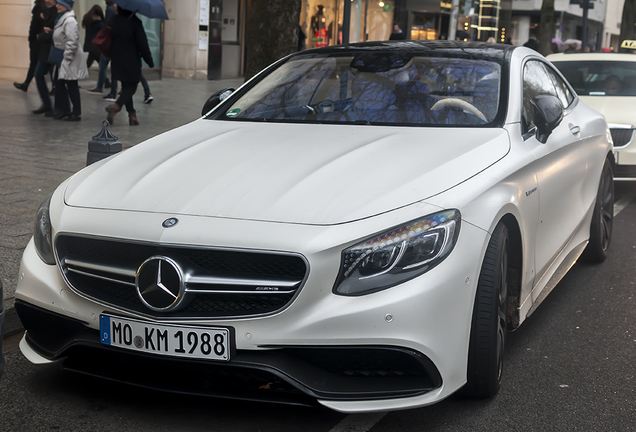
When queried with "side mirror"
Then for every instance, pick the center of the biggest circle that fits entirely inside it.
(547, 112)
(216, 99)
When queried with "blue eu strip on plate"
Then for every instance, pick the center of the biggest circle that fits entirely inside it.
(105, 329)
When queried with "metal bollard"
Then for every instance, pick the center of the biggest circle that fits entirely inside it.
(102, 145)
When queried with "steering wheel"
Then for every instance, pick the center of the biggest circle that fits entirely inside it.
(461, 104)
(323, 106)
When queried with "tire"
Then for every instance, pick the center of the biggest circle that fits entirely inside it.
(488, 329)
(602, 218)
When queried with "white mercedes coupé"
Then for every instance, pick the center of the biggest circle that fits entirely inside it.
(357, 226)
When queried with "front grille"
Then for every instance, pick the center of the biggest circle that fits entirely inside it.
(218, 283)
(625, 171)
(622, 136)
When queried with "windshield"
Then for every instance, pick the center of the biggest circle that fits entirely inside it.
(374, 88)
(600, 78)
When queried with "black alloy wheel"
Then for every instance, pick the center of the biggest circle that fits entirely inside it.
(602, 218)
(489, 323)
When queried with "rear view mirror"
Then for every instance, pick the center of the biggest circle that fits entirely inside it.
(216, 99)
(547, 112)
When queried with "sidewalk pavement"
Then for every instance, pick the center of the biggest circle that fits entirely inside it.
(37, 153)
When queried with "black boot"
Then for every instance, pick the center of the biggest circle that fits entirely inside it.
(21, 86)
(60, 115)
(42, 110)
(73, 117)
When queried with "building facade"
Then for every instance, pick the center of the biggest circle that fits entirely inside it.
(180, 46)
(568, 20)
(511, 21)
(612, 29)
(205, 39)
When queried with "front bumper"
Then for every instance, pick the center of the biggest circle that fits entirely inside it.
(285, 374)
(296, 348)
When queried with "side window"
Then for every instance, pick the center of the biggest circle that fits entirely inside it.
(536, 81)
(563, 92)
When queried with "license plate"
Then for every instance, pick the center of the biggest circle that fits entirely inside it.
(210, 343)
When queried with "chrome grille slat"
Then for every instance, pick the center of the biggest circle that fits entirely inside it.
(224, 291)
(212, 280)
(103, 268)
(100, 277)
(218, 283)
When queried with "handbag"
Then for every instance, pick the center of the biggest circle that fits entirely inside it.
(56, 55)
(103, 42)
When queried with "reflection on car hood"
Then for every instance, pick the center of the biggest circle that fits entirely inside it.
(616, 109)
(296, 173)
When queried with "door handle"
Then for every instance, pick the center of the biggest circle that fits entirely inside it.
(574, 129)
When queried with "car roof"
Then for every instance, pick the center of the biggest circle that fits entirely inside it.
(439, 48)
(562, 57)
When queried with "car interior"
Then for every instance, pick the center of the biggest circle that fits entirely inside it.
(375, 89)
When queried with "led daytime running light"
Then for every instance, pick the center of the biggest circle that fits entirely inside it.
(397, 255)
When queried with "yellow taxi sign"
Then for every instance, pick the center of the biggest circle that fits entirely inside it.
(629, 44)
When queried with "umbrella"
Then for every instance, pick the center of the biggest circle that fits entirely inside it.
(566, 44)
(557, 41)
(149, 8)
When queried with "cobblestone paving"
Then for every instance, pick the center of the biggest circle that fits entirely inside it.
(38, 153)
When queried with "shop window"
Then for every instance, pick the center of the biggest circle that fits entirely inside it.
(153, 33)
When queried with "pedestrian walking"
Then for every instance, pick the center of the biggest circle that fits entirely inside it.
(397, 33)
(34, 47)
(92, 21)
(130, 44)
(102, 81)
(302, 37)
(532, 43)
(73, 67)
(43, 67)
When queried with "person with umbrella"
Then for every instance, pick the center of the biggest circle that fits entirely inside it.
(573, 45)
(148, 8)
(129, 45)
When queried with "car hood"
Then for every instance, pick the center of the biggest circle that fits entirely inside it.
(616, 109)
(293, 173)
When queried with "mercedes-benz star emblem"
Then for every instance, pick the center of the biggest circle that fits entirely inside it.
(159, 283)
(170, 222)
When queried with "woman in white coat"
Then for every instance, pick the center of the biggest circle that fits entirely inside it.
(73, 67)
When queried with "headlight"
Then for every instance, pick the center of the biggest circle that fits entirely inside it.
(42, 233)
(397, 255)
